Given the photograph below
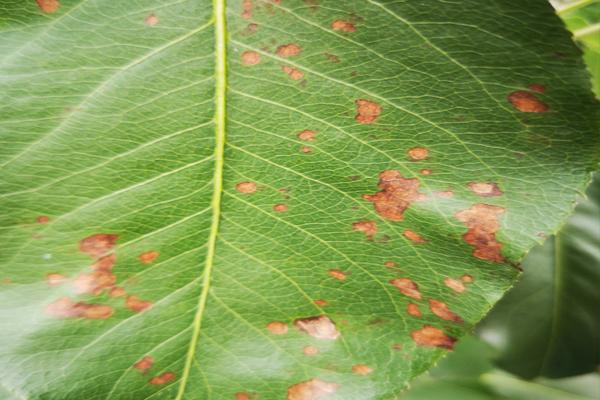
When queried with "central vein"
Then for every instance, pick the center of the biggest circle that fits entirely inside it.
(220, 98)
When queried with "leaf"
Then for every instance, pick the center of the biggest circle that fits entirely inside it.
(547, 325)
(144, 256)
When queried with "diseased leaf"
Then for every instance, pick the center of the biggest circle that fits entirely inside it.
(272, 199)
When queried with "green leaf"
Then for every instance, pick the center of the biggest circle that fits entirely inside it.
(548, 324)
(172, 230)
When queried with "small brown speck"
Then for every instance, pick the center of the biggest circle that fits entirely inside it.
(280, 208)
(414, 237)
(162, 378)
(332, 58)
(42, 219)
(361, 369)
(48, 6)
(397, 346)
(246, 187)
(55, 279)
(250, 29)
(467, 278)
(242, 396)
(307, 135)
(321, 302)
(369, 228)
(536, 87)
(320, 327)
(117, 291)
(367, 111)
(446, 194)
(389, 264)
(425, 171)
(293, 73)
(341, 25)
(429, 336)
(250, 58)
(418, 153)
(337, 274)
(277, 328)
(306, 149)
(485, 189)
(135, 304)
(527, 102)
(413, 309)
(407, 287)
(144, 364)
(454, 284)
(148, 256)
(314, 389)
(288, 50)
(442, 310)
(151, 20)
(310, 350)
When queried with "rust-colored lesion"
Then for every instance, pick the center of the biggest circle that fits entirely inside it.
(396, 195)
(369, 228)
(482, 223)
(319, 327)
(442, 310)
(367, 111)
(314, 389)
(65, 307)
(407, 287)
(429, 336)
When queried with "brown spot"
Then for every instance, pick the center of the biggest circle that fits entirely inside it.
(148, 256)
(446, 193)
(277, 328)
(314, 389)
(407, 287)
(105, 263)
(536, 87)
(162, 378)
(527, 102)
(288, 50)
(67, 308)
(151, 20)
(332, 58)
(307, 135)
(369, 228)
(246, 187)
(246, 9)
(413, 309)
(467, 278)
(389, 264)
(42, 219)
(280, 208)
(442, 310)
(310, 350)
(48, 6)
(367, 111)
(242, 396)
(482, 221)
(320, 302)
(250, 58)
(341, 25)
(429, 336)
(320, 327)
(361, 369)
(135, 304)
(117, 292)
(94, 283)
(55, 279)
(425, 171)
(397, 346)
(250, 29)
(454, 284)
(396, 195)
(306, 149)
(293, 73)
(418, 153)
(337, 274)
(98, 244)
(485, 189)
(144, 364)
(414, 237)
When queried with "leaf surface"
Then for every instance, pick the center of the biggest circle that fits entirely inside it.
(321, 220)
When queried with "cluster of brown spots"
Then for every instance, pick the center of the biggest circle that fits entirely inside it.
(367, 111)
(293, 73)
(485, 189)
(536, 87)
(55, 279)
(337, 274)
(162, 378)
(48, 6)
(396, 195)
(117, 292)
(148, 256)
(250, 58)
(442, 310)
(482, 221)
(280, 208)
(65, 307)
(151, 20)
(369, 228)
(430, 336)
(467, 278)
(407, 287)
(246, 9)
(332, 58)
(42, 219)
(414, 237)
(135, 304)
(413, 309)
(144, 364)
(246, 187)
(389, 264)
(313, 389)
(445, 193)
(341, 25)
(277, 327)
(320, 327)
(418, 153)
(98, 244)
(321, 302)
(306, 149)
(288, 50)
(455, 284)
(307, 135)
(361, 369)
(105, 263)
(425, 171)
(527, 102)
(310, 350)
(94, 283)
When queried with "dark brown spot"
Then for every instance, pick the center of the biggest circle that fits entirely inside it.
(407, 287)
(442, 310)
(389, 264)
(48, 6)
(117, 292)
(367, 111)
(429, 336)
(314, 389)
(98, 244)
(361, 369)
(337, 274)
(332, 58)
(250, 58)
(536, 87)
(42, 219)
(246, 9)
(67, 308)
(135, 304)
(320, 302)
(94, 283)
(527, 102)
(482, 221)
(369, 228)
(288, 50)
(320, 327)
(148, 256)
(105, 263)
(246, 187)
(397, 346)
(162, 378)
(151, 20)
(425, 171)
(280, 208)
(413, 309)
(467, 278)
(418, 153)
(396, 195)
(455, 284)
(55, 279)
(414, 237)
(310, 350)
(307, 135)
(144, 364)
(485, 189)
(341, 25)
(293, 73)
(277, 328)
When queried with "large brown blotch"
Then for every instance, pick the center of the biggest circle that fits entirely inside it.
(482, 221)
(98, 244)
(396, 195)
(313, 389)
